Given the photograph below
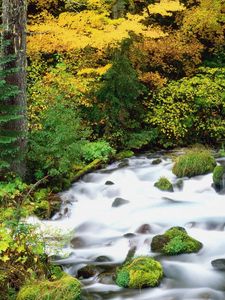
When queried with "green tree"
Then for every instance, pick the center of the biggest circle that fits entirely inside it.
(119, 97)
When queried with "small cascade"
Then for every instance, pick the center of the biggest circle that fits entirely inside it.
(118, 210)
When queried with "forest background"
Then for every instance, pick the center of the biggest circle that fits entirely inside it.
(104, 77)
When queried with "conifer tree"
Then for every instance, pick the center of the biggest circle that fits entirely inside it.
(13, 123)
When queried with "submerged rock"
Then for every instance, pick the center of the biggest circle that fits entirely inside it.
(144, 229)
(164, 184)
(66, 288)
(175, 241)
(219, 264)
(87, 272)
(156, 161)
(140, 272)
(119, 202)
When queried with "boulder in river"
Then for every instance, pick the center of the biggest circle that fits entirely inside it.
(87, 272)
(156, 161)
(219, 177)
(65, 288)
(195, 162)
(119, 202)
(175, 241)
(219, 264)
(164, 184)
(139, 272)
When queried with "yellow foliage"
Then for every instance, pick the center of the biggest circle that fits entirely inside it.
(166, 7)
(76, 31)
(99, 71)
(206, 21)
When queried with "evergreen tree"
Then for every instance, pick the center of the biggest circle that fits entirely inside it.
(13, 123)
(119, 94)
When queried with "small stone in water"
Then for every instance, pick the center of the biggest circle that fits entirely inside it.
(108, 182)
(77, 242)
(156, 161)
(143, 229)
(119, 202)
(103, 258)
(87, 272)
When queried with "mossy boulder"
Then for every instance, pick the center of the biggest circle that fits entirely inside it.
(218, 175)
(156, 161)
(124, 154)
(164, 184)
(175, 241)
(66, 288)
(140, 272)
(194, 162)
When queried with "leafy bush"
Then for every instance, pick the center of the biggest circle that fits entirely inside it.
(12, 190)
(97, 150)
(191, 109)
(22, 256)
(194, 162)
(59, 143)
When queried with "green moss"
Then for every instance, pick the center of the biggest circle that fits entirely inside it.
(140, 272)
(124, 154)
(66, 288)
(156, 161)
(218, 174)
(164, 184)
(194, 162)
(175, 241)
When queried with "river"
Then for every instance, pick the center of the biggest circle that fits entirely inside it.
(103, 234)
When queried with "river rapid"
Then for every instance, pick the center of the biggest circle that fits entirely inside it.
(103, 234)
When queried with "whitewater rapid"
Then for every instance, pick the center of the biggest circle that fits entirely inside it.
(100, 230)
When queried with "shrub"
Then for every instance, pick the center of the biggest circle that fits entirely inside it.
(194, 162)
(140, 272)
(59, 143)
(97, 150)
(175, 241)
(164, 184)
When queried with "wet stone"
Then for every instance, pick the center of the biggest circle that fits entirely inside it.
(87, 272)
(77, 243)
(108, 182)
(144, 229)
(103, 258)
(156, 161)
(119, 202)
(129, 235)
(219, 264)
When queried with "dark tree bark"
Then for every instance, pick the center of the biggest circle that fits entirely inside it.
(14, 19)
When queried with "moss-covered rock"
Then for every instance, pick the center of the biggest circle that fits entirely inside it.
(140, 272)
(156, 161)
(194, 162)
(164, 184)
(218, 174)
(66, 288)
(124, 154)
(175, 241)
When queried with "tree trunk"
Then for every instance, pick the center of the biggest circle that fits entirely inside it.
(14, 19)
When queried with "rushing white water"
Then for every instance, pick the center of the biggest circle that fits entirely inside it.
(102, 230)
